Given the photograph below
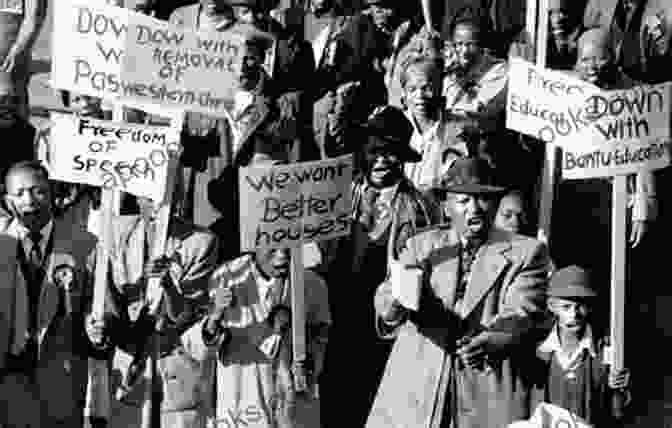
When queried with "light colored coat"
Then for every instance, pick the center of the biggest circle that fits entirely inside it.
(56, 395)
(506, 289)
(254, 388)
(184, 373)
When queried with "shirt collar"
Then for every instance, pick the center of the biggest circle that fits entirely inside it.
(433, 130)
(21, 232)
(552, 343)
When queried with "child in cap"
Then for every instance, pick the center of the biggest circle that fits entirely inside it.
(576, 373)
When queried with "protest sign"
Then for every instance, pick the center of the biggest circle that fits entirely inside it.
(88, 47)
(629, 131)
(176, 67)
(121, 156)
(285, 205)
(546, 104)
(602, 133)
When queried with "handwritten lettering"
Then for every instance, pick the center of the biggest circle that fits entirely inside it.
(104, 81)
(302, 232)
(554, 87)
(146, 35)
(281, 180)
(604, 158)
(88, 21)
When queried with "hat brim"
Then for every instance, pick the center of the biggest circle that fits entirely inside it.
(572, 291)
(396, 145)
(472, 189)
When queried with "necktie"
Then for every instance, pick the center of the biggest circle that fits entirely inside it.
(35, 254)
(469, 251)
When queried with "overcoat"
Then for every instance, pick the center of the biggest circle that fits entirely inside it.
(506, 293)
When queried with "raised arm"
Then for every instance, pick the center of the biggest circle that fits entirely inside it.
(34, 15)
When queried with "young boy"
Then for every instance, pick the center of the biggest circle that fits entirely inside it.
(576, 373)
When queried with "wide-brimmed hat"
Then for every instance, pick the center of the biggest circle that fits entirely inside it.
(571, 282)
(470, 175)
(392, 131)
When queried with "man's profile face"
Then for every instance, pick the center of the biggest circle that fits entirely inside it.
(29, 198)
(467, 43)
(594, 62)
(560, 22)
(472, 215)
(248, 70)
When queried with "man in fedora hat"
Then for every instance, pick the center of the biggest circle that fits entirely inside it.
(460, 355)
(386, 210)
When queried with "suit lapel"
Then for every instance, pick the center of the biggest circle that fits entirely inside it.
(489, 264)
(444, 255)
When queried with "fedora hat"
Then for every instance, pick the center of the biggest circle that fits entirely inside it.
(470, 175)
(391, 130)
(571, 282)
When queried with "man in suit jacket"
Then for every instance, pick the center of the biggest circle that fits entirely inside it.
(44, 279)
(460, 357)
(190, 259)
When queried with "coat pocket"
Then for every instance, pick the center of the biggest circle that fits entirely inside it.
(182, 381)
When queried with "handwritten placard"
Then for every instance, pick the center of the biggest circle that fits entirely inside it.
(88, 47)
(117, 54)
(131, 158)
(175, 67)
(287, 205)
(629, 132)
(546, 104)
(602, 133)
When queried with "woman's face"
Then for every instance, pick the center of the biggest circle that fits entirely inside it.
(421, 92)
(511, 214)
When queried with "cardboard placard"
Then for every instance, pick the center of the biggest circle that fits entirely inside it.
(286, 205)
(122, 156)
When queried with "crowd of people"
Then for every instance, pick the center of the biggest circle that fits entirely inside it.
(443, 192)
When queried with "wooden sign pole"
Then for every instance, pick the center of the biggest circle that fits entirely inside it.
(550, 170)
(298, 317)
(151, 411)
(98, 393)
(618, 260)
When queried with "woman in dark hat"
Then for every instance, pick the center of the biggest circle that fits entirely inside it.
(387, 209)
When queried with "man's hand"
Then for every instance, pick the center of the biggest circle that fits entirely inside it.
(473, 351)
(639, 229)
(9, 62)
(280, 320)
(619, 379)
(157, 268)
(96, 330)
